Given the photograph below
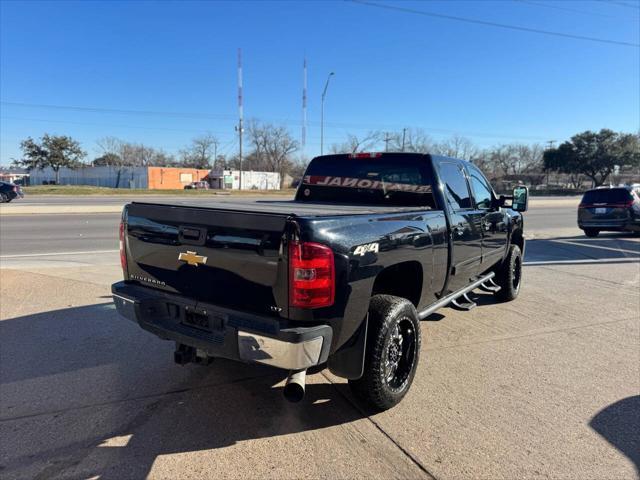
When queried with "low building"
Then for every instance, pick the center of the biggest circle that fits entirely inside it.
(14, 175)
(169, 178)
(230, 180)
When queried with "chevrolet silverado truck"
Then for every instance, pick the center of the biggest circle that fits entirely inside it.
(339, 277)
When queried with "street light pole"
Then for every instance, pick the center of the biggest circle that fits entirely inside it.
(324, 93)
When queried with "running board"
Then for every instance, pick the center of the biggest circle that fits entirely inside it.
(444, 301)
(490, 286)
(467, 305)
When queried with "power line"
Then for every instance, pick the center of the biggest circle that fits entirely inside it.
(567, 9)
(491, 24)
(334, 125)
(620, 4)
(49, 120)
(125, 112)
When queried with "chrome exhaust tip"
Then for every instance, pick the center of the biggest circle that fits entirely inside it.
(295, 386)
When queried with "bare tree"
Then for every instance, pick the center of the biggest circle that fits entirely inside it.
(517, 158)
(456, 147)
(414, 140)
(272, 148)
(201, 153)
(355, 144)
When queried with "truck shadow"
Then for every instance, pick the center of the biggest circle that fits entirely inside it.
(619, 424)
(110, 401)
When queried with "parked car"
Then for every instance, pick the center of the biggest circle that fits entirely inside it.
(201, 185)
(615, 209)
(9, 191)
(340, 276)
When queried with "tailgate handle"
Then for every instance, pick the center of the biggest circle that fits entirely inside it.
(192, 235)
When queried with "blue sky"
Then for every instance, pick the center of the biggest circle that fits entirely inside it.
(392, 69)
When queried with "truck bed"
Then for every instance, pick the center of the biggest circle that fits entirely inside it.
(286, 207)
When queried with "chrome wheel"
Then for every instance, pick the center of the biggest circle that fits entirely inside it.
(400, 354)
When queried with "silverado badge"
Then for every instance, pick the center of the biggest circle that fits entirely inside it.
(192, 258)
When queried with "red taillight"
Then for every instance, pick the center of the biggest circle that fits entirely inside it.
(311, 275)
(123, 253)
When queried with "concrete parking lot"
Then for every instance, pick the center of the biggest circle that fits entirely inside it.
(547, 386)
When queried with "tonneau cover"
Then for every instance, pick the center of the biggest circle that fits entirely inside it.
(286, 207)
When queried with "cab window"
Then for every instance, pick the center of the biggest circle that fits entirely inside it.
(481, 189)
(456, 188)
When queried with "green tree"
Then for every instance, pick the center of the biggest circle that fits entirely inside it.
(594, 154)
(52, 151)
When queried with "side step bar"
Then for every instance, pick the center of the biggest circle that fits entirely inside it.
(491, 286)
(444, 301)
(468, 304)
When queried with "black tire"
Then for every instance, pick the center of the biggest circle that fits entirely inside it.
(591, 232)
(509, 275)
(4, 198)
(392, 354)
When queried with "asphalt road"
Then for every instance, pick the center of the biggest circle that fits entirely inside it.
(547, 386)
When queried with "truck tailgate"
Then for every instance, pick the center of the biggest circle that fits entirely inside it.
(228, 258)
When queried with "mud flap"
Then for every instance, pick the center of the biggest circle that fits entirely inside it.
(348, 361)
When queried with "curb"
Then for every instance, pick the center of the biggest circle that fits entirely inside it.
(58, 209)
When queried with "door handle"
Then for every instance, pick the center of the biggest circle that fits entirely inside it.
(458, 230)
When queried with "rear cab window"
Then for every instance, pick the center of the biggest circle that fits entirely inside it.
(376, 179)
(606, 195)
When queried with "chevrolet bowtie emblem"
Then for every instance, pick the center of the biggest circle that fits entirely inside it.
(192, 258)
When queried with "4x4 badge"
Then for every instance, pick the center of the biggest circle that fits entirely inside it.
(192, 258)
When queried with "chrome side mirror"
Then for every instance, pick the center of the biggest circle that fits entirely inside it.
(520, 199)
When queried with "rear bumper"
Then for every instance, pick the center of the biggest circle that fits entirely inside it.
(629, 224)
(221, 332)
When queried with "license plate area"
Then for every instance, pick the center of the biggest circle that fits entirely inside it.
(202, 319)
(601, 210)
(196, 319)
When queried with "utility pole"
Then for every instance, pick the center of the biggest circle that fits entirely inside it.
(215, 152)
(404, 134)
(324, 93)
(549, 147)
(304, 104)
(240, 113)
(386, 141)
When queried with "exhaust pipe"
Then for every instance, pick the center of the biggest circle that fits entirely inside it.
(294, 388)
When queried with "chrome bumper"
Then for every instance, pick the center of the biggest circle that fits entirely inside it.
(278, 353)
(229, 334)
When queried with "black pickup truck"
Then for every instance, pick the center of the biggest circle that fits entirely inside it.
(338, 277)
